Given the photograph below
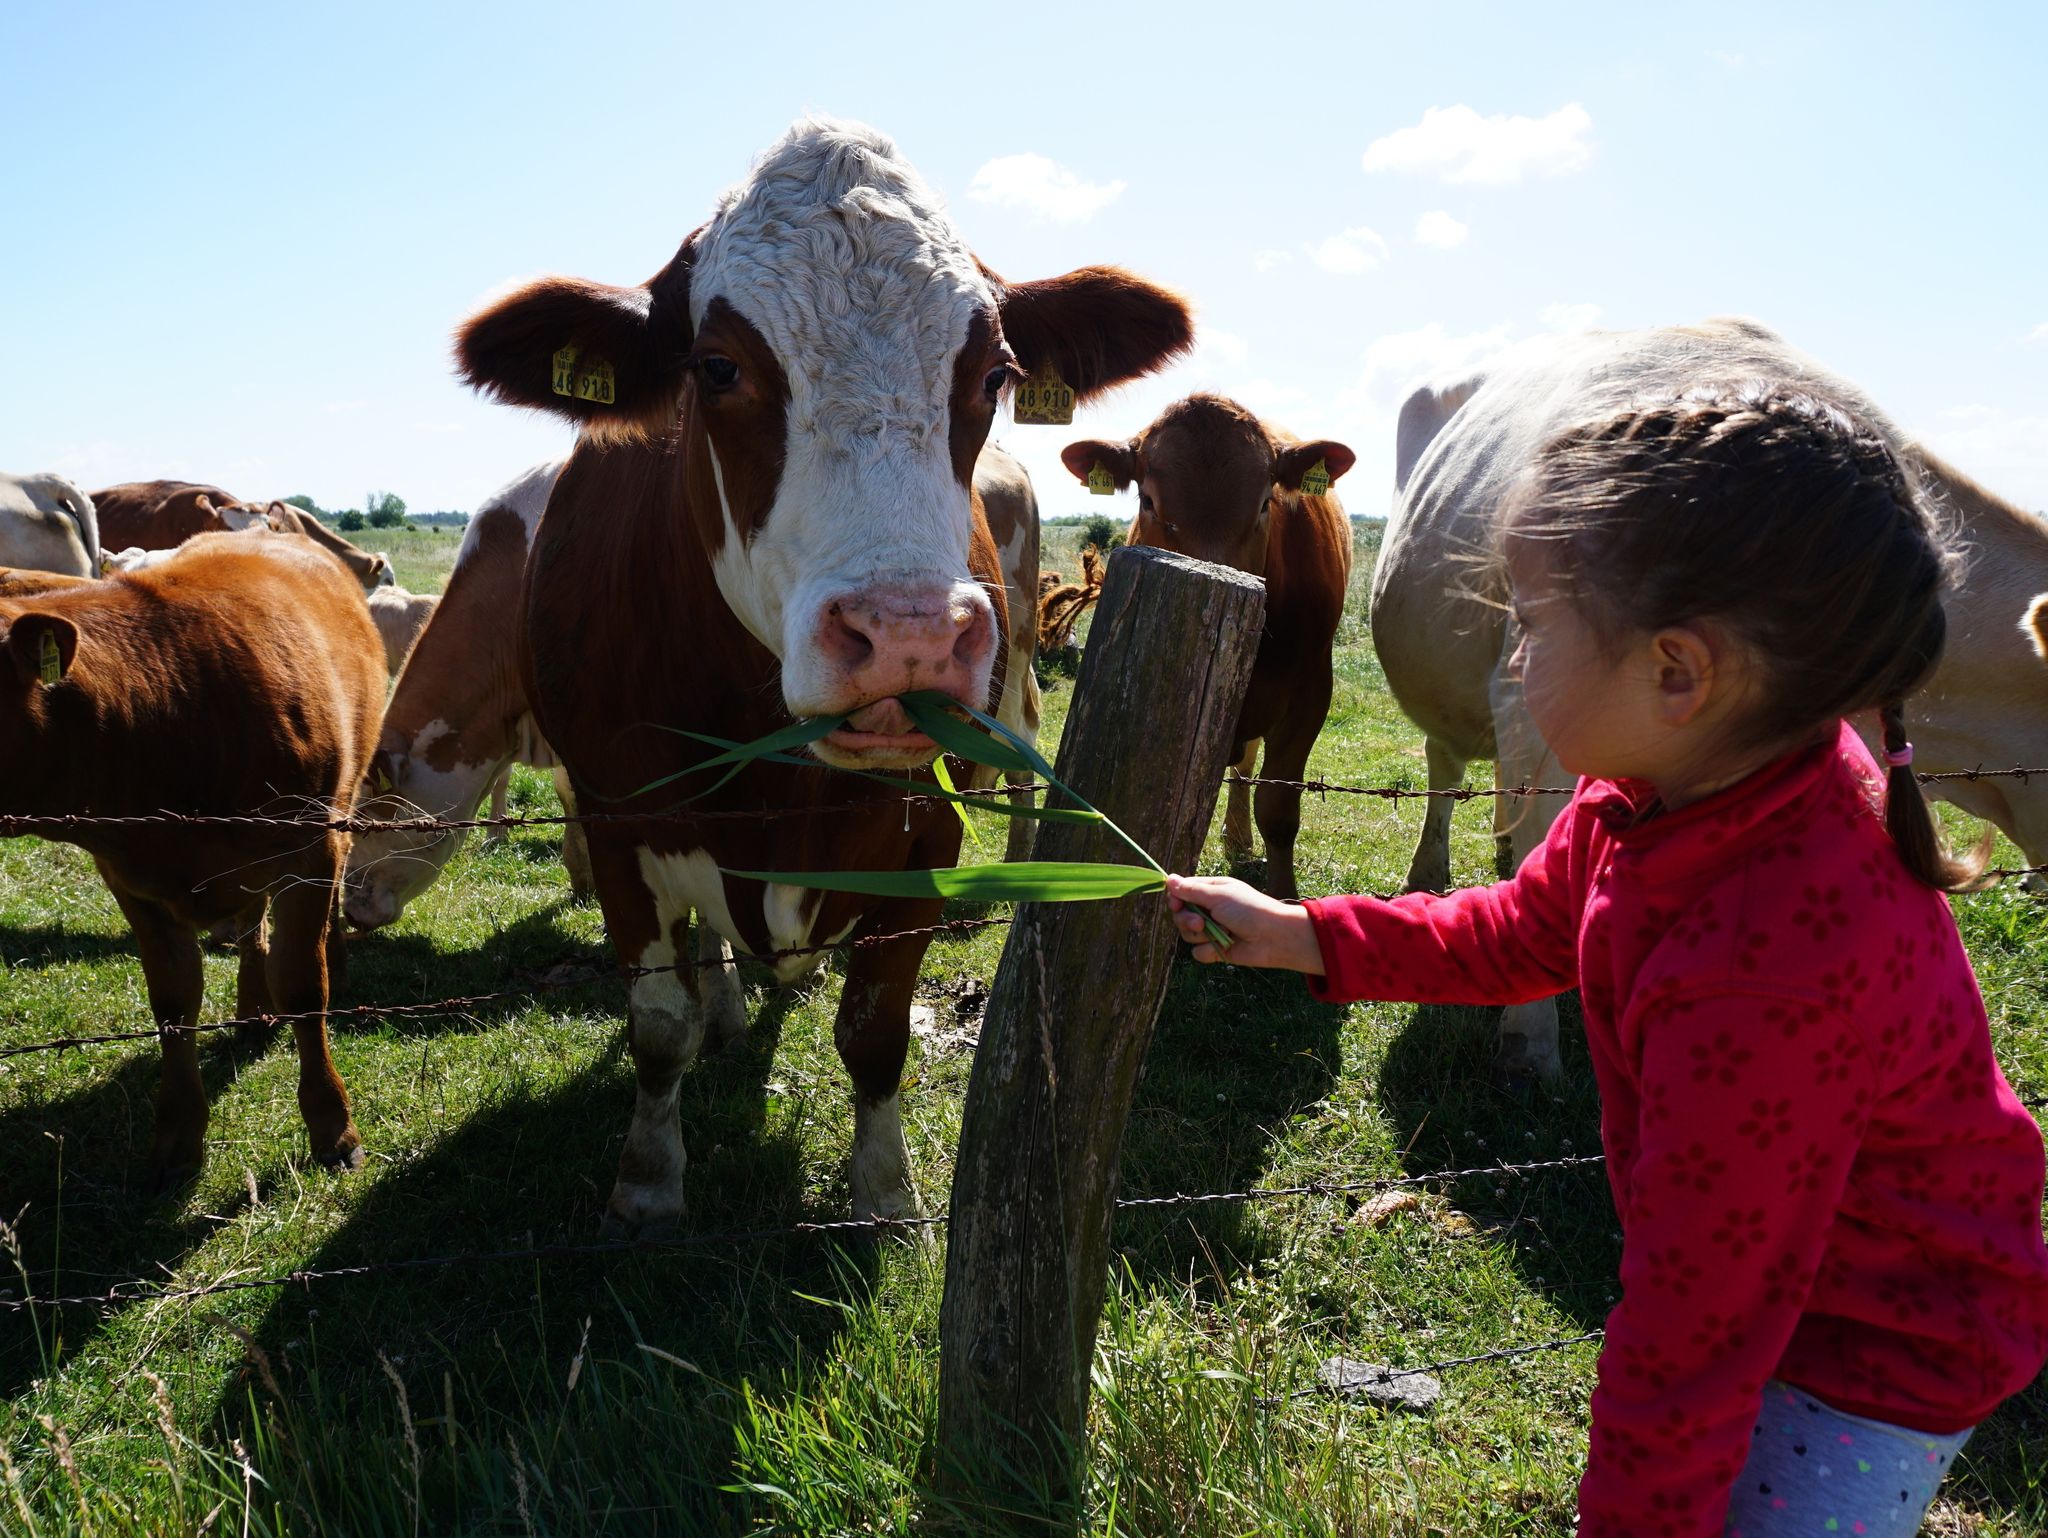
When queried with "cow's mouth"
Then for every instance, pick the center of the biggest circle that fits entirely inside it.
(880, 729)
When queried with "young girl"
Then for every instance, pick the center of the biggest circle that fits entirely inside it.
(1832, 1265)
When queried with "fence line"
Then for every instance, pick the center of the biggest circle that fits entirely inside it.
(593, 973)
(148, 1292)
(61, 822)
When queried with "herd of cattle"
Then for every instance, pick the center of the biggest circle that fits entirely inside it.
(782, 504)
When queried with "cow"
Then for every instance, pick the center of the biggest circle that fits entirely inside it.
(770, 514)
(48, 524)
(144, 516)
(243, 678)
(400, 617)
(1440, 624)
(1217, 484)
(458, 719)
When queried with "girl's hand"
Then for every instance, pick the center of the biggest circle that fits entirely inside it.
(1265, 933)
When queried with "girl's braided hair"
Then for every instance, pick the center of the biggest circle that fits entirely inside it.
(1778, 513)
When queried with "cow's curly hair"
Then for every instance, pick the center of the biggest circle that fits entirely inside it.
(1784, 516)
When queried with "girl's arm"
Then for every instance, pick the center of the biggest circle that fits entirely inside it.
(1752, 1108)
(1502, 944)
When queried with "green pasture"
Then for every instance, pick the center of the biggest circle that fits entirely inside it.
(789, 1386)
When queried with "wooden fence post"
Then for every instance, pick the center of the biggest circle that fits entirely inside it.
(1071, 1013)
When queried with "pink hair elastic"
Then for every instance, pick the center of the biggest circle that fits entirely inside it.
(1898, 758)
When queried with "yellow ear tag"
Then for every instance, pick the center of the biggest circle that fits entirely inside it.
(1100, 482)
(382, 781)
(596, 382)
(1316, 482)
(564, 379)
(50, 659)
(1045, 398)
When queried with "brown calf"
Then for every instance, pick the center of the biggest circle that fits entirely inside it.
(242, 677)
(1217, 484)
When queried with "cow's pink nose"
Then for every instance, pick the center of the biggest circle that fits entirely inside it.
(892, 641)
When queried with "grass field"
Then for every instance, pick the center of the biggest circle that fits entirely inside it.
(790, 1386)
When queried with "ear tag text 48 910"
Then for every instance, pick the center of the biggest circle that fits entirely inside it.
(1100, 482)
(595, 381)
(1045, 398)
(49, 660)
(1316, 481)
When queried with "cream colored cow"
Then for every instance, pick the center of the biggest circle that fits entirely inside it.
(1443, 636)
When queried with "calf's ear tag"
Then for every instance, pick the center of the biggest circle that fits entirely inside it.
(1100, 482)
(596, 382)
(1316, 482)
(1044, 398)
(49, 659)
(564, 374)
(382, 781)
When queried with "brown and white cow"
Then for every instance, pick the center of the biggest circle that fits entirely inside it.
(48, 524)
(159, 516)
(771, 514)
(1217, 484)
(243, 678)
(1441, 629)
(458, 719)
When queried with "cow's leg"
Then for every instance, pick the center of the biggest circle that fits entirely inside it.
(501, 799)
(1430, 870)
(1528, 1032)
(300, 915)
(664, 1030)
(873, 1037)
(718, 984)
(1237, 807)
(172, 974)
(1278, 807)
(575, 842)
(252, 976)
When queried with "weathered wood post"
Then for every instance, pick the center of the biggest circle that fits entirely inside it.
(1070, 1016)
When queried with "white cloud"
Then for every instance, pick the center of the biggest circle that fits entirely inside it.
(1402, 357)
(1459, 145)
(1042, 186)
(1722, 56)
(2039, 333)
(1569, 317)
(1437, 228)
(1349, 251)
(1227, 346)
(1271, 257)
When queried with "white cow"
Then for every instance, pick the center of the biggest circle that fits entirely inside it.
(48, 524)
(1443, 634)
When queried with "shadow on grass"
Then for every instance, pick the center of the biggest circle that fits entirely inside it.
(32, 947)
(608, 1390)
(77, 1190)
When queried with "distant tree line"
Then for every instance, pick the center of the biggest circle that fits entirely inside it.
(380, 510)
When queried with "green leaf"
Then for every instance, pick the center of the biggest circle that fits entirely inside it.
(928, 704)
(945, 778)
(932, 712)
(1025, 881)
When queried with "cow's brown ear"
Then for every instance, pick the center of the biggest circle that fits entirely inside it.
(1098, 327)
(1295, 460)
(42, 647)
(1119, 459)
(609, 358)
(2037, 625)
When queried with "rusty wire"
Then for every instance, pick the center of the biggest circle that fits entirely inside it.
(139, 1291)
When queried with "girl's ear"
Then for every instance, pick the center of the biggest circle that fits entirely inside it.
(1690, 671)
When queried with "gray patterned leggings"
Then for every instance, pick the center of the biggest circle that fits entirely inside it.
(1814, 1469)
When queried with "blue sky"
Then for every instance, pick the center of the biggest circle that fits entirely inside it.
(240, 237)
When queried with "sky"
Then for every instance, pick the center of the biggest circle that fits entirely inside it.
(240, 237)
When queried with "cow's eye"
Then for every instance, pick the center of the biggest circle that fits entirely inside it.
(993, 382)
(718, 373)
(1144, 502)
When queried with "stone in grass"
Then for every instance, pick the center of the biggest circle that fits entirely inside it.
(1379, 1383)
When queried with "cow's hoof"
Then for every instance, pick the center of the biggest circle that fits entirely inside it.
(638, 1213)
(168, 1181)
(344, 1153)
(1522, 1069)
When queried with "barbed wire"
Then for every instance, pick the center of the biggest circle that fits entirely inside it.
(592, 973)
(59, 822)
(140, 1291)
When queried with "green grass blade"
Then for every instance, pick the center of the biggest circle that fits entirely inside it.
(928, 705)
(945, 778)
(1025, 881)
(931, 711)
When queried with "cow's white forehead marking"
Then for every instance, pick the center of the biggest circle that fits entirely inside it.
(845, 261)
